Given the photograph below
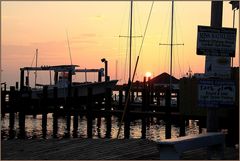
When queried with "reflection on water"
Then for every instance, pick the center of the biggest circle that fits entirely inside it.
(155, 128)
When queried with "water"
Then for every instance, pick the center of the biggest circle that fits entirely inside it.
(155, 128)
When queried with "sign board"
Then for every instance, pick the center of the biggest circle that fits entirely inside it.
(216, 93)
(216, 41)
(217, 67)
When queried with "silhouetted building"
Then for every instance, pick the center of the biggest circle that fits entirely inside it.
(164, 81)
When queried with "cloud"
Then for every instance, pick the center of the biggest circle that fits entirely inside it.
(49, 46)
(15, 50)
(27, 51)
(88, 35)
(88, 38)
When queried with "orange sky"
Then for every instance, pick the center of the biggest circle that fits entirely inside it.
(94, 29)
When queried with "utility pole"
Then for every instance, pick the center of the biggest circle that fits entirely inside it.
(216, 21)
(235, 6)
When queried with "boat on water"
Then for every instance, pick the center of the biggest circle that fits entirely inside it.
(63, 81)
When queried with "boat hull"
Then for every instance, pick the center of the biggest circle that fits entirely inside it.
(98, 88)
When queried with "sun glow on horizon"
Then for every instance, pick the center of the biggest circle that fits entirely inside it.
(93, 30)
(148, 74)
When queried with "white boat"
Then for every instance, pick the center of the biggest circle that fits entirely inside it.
(63, 81)
(98, 88)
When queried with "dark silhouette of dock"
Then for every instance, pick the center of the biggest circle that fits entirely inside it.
(106, 106)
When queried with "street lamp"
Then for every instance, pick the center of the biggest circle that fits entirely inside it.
(106, 69)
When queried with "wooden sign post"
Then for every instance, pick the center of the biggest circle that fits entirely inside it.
(218, 44)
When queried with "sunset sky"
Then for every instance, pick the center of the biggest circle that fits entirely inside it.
(93, 30)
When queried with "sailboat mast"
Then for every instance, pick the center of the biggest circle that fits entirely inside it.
(130, 42)
(171, 47)
(116, 69)
(69, 49)
(36, 67)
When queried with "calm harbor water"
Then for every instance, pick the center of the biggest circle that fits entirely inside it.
(155, 128)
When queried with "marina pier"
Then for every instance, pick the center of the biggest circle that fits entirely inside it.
(146, 102)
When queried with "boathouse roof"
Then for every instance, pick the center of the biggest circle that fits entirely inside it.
(164, 78)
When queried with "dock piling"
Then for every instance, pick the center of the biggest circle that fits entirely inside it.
(68, 124)
(17, 85)
(75, 124)
(44, 111)
(127, 127)
(182, 126)
(75, 117)
(120, 99)
(108, 108)
(127, 118)
(89, 113)
(68, 111)
(22, 118)
(21, 125)
(144, 124)
(168, 114)
(132, 96)
(21, 79)
(55, 115)
(12, 113)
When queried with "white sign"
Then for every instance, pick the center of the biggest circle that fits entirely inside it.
(217, 67)
(216, 93)
(216, 41)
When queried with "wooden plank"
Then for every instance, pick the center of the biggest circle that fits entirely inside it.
(83, 149)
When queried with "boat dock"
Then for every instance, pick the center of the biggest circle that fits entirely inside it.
(94, 149)
(155, 102)
(96, 106)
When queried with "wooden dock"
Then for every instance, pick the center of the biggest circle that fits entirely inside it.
(78, 149)
(93, 149)
(157, 102)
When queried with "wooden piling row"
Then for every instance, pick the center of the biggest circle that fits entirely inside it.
(71, 108)
(146, 94)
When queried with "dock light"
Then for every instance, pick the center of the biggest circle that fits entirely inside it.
(106, 69)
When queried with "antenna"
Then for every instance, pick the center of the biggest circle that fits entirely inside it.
(116, 69)
(69, 47)
(189, 72)
(36, 67)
